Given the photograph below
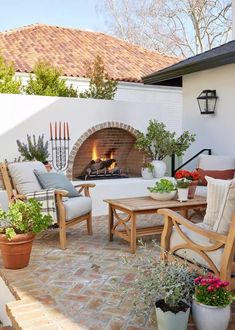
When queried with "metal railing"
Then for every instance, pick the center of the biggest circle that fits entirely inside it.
(173, 169)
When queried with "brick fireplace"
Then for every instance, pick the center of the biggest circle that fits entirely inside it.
(110, 140)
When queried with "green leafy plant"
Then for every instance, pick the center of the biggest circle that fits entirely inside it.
(158, 142)
(46, 81)
(163, 186)
(157, 280)
(183, 183)
(34, 149)
(149, 166)
(100, 86)
(8, 84)
(212, 291)
(23, 217)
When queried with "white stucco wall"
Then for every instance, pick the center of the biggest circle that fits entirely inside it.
(233, 19)
(212, 131)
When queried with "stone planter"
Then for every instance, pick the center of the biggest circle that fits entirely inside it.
(192, 189)
(16, 252)
(172, 321)
(182, 194)
(210, 317)
(146, 173)
(165, 196)
(159, 168)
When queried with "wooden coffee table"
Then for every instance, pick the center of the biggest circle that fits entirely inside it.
(125, 227)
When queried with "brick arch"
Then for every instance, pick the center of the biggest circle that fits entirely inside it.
(89, 132)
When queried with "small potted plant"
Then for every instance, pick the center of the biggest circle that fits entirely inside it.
(147, 171)
(18, 227)
(159, 143)
(164, 190)
(168, 286)
(212, 303)
(193, 176)
(182, 189)
(35, 149)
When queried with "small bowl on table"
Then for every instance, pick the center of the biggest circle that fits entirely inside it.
(163, 196)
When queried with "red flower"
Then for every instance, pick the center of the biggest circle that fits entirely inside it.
(210, 288)
(193, 176)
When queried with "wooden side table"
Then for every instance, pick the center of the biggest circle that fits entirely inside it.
(125, 227)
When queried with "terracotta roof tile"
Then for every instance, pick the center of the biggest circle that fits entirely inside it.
(73, 50)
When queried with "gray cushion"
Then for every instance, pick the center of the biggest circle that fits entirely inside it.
(56, 181)
(76, 207)
(23, 177)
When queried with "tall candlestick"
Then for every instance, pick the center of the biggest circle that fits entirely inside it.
(67, 130)
(55, 130)
(50, 132)
(60, 131)
(64, 131)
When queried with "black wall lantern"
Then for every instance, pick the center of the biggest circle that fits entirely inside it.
(207, 101)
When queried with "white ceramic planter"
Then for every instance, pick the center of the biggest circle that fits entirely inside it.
(167, 196)
(159, 168)
(210, 317)
(182, 194)
(146, 173)
(172, 321)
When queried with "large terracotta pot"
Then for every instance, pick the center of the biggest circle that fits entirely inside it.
(192, 189)
(16, 252)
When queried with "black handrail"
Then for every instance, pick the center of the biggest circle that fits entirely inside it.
(173, 169)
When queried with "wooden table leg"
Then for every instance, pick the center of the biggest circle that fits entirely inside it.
(133, 233)
(110, 223)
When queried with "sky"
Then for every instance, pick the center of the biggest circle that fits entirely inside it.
(80, 14)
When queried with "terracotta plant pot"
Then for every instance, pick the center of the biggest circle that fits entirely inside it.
(16, 252)
(192, 189)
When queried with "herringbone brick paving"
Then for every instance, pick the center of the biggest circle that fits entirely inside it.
(78, 285)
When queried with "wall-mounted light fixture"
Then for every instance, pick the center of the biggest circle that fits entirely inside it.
(207, 101)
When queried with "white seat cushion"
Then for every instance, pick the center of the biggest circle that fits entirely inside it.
(190, 255)
(23, 176)
(214, 162)
(76, 207)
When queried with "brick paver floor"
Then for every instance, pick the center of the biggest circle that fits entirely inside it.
(78, 284)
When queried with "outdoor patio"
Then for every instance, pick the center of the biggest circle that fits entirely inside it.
(75, 288)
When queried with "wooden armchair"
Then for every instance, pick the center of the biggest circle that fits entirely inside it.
(63, 221)
(202, 247)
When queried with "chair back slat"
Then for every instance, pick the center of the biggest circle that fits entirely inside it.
(7, 181)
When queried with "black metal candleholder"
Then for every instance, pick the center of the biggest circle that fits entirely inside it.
(59, 145)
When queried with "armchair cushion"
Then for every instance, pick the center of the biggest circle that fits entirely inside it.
(23, 177)
(216, 192)
(216, 162)
(191, 255)
(57, 181)
(76, 207)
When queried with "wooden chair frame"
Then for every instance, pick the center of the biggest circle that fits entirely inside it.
(227, 242)
(59, 194)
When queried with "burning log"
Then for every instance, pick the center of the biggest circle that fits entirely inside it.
(99, 165)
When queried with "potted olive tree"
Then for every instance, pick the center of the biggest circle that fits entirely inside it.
(168, 286)
(159, 143)
(147, 171)
(18, 227)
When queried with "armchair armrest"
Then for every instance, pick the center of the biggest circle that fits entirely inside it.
(85, 187)
(176, 218)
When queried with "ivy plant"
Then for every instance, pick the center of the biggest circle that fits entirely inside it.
(163, 186)
(8, 84)
(100, 86)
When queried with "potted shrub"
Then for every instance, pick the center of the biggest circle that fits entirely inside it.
(158, 143)
(147, 171)
(18, 227)
(182, 189)
(35, 149)
(211, 304)
(168, 286)
(193, 176)
(163, 190)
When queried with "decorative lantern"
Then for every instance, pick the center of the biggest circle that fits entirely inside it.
(207, 101)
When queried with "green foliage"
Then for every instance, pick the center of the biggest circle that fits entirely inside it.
(100, 86)
(47, 81)
(183, 183)
(23, 217)
(163, 186)
(149, 166)
(8, 84)
(34, 149)
(212, 291)
(171, 281)
(159, 142)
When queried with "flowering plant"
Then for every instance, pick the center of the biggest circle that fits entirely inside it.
(212, 291)
(183, 183)
(184, 174)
